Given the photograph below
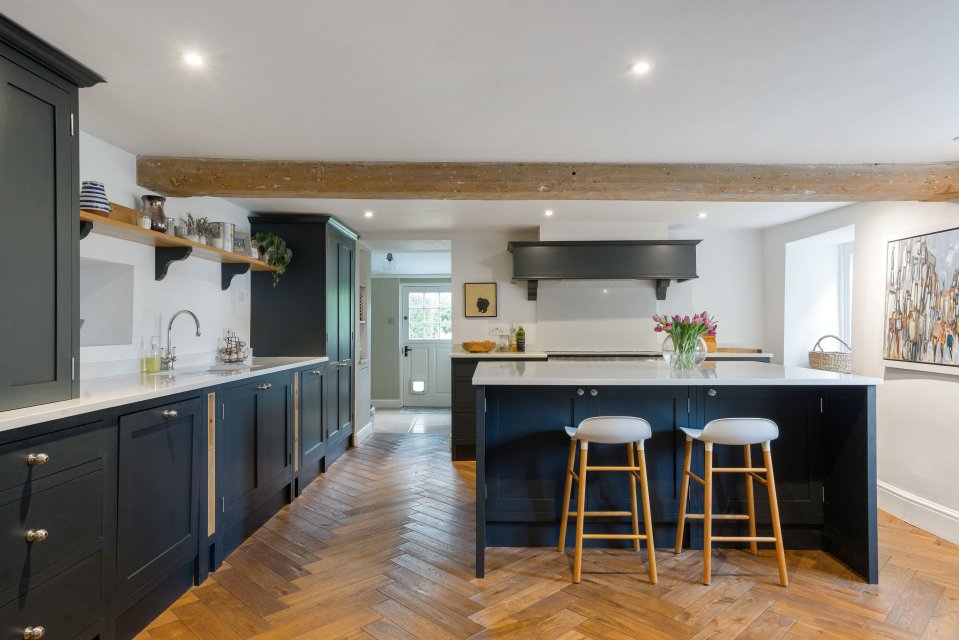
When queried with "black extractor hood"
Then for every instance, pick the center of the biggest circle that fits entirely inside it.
(659, 260)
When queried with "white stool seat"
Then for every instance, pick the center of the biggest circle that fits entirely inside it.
(735, 431)
(611, 430)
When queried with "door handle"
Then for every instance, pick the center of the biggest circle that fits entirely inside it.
(593, 392)
(169, 414)
(265, 386)
(406, 352)
(580, 392)
(711, 392)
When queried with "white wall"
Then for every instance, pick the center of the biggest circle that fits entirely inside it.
(812, 299)
(918, 435)
(192, 284)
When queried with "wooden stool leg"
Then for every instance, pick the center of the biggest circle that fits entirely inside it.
(708, 516)
(630, 458)
(774, 513)
(580, 512)
(684, 494)
(647, 515)
(567, 493)
(750, 503)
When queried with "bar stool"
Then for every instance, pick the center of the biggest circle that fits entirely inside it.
(632, 432)
(743, 432)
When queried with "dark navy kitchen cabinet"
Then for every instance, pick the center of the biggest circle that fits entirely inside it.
(312, 424)
(255, 455)
(39, 287)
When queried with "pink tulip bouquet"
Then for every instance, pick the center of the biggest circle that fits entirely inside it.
(685, 333)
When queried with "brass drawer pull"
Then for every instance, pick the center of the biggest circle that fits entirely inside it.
(37, 535)
(34, 633)
(169, 414)
(266, 386)
(36, 459)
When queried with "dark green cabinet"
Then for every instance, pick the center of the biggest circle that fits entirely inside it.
(39, 342)
(158, 507)
(256, 463)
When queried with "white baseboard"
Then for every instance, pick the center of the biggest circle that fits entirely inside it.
(388, 404)
(917, 511)
(363, 434)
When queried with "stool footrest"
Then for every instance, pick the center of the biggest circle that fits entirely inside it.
(739, 469)
(613, 536)
(614, 468)
(743, 539)
(719, 516)
(603, 513)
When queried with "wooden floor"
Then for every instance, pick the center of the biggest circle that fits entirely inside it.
(382, 547)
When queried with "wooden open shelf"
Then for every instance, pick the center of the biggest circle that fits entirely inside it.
(169, 248)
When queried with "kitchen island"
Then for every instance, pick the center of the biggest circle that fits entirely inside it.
(825, 456)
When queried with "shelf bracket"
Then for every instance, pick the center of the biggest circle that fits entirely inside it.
(531, 288)
(85, 228)
(167, 255)
(229, 270)
(661, 285)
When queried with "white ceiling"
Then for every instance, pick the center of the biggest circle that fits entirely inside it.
(501, 80)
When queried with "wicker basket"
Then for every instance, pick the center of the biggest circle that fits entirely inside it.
(838, 361)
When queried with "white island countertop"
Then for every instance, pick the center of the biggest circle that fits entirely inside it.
(553, 373)
(103, 393)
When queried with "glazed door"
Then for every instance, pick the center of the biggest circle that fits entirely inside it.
(427, 332)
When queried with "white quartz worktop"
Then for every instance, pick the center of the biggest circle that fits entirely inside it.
(103, 393)
(570, 372)
(459, 352)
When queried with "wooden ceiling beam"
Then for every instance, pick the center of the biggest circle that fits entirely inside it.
(172, 176)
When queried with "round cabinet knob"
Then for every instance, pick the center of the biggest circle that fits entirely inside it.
(266, 386)
(593, 392)
(34, 633)
(36, 459)
(37, 535)
(169, 414)
(710, 392)
(580, 392)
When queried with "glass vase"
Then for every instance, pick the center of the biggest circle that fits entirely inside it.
(685, 354)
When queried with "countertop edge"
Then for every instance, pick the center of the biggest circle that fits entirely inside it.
(27, 416)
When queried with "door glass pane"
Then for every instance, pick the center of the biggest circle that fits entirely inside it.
(430, 315)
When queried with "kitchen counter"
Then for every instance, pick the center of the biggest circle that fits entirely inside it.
(500, 355)
(571, 372)
(104, 393)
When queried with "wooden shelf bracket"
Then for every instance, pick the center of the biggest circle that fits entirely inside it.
(168, 255)
(228, 271)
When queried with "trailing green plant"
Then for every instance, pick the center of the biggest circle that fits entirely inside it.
(274, 252)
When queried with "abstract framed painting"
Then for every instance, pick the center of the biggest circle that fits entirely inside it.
(480, 299)
(921, 328)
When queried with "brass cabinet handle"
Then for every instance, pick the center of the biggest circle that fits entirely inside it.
(36, 459)
(34, 633)
(266, 386)
(593, 392)
(37, 535)
(710, 392)
(580, 392)
(169, 414)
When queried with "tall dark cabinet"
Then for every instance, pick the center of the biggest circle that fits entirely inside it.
(310, 313)
(39, 190)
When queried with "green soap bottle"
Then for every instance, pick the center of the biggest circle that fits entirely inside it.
(521, 339)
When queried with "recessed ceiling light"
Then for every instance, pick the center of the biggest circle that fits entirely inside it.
(548, 213)
(368, 214)
(193, 59)
(703, 214)
(641, 68)
(605, 290)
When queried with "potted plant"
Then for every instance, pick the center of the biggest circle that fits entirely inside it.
(684, 347)
(273, 250)
(204, 229)
(190, 229)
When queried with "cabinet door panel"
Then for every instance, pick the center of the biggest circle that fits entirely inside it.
(797, 453)
(272, 413)
(311, 410)
(36, 201)
(158, 508)
(239, 446)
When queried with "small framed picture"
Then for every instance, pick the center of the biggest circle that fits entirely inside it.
(480, 299)
(241, 243)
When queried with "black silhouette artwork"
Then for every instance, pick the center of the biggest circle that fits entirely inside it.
(480, 299)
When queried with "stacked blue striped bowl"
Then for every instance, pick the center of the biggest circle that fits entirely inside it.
(93, 197)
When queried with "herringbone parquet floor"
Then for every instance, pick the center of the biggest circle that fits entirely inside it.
(381, 547)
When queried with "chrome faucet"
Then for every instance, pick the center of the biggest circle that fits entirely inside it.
(169, 357)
